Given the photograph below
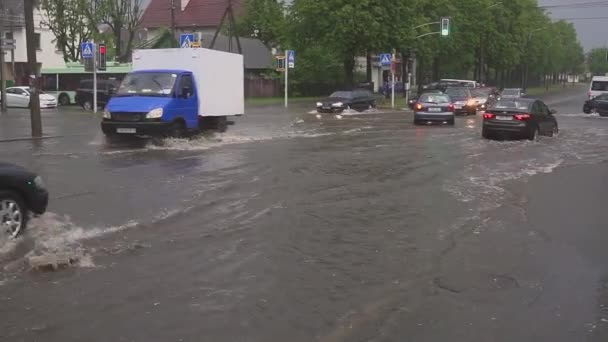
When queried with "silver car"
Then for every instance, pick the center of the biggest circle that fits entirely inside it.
(434, 108)
(512, 93)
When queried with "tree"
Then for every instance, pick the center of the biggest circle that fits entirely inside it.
(264, 19)
(120, 16)
(596, 60)
(67, 20)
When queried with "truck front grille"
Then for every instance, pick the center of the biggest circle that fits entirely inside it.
(128, 117)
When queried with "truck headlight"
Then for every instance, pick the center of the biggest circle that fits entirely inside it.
(337, 104)
(106, 114)
(155, 114)
(38, 182)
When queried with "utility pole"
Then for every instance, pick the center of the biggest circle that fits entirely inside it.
(2, 76)
(36, 121)
(173, 23)
(12, 30)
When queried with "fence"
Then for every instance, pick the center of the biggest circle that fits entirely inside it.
(261, 87)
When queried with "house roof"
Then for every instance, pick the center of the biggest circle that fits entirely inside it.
(196, 13)
(11, 12)
(256, 55)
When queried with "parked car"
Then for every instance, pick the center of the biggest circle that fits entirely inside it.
(387, 89)
(359, 99)
(20, 97)
(21, 192)
(598, 86)
(521, 117)
(598, 104)
(512, 93)
(463, 100)
(105, 90)
(434, 108)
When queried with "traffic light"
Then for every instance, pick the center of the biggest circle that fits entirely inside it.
(101, 57)
(445, 27)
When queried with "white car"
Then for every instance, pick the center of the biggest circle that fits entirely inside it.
(20, 97)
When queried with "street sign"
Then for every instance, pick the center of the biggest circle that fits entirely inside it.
(291, 59)
(445, 27)
(87, 50)
(7, 44)
(386, 59)
(186, 40)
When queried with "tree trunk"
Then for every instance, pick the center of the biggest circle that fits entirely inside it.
(349, 70)
(117, 43)
(436, 62)
(368, 69)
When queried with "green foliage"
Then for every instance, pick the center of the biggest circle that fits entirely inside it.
(596, 60)
(67, 20)
(264, 19)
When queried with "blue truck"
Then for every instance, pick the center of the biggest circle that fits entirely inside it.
(173, 92)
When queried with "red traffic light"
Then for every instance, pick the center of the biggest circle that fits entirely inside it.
(102, 49)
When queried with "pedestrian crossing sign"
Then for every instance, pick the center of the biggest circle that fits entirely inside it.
(86, 50)
(385, 59)
(186, 40)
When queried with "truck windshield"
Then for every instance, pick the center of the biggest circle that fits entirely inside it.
(147, 84)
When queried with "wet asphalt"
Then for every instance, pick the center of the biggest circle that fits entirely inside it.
(294, 227)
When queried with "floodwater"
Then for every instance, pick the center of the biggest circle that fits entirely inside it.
(294, 226)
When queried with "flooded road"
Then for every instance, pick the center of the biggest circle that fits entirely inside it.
(294, 226)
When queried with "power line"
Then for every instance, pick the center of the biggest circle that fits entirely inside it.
(579, 4)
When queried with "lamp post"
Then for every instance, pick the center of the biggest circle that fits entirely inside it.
(481, 51)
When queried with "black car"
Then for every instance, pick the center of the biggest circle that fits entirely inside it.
(597, 104)
(21, 192)
(339, 101)
(527, 118)
(105, 90)
(463, 100)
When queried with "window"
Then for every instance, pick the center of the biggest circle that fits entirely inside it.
(186, 83)
(8, 35)
(599, 86)
(434, 98)
(11, 91)
(37, 41)
(603, 97)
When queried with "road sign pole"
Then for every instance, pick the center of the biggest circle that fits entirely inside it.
(393, 68)
(286, 81)
(2, 81)
(94, 79)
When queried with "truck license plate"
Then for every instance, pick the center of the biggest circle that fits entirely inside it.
(126, 130)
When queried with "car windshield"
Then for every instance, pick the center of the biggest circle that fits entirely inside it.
(434, 98)
(480, 92)
(510, 92)
(342, 94)
(512, 105)
(147, 84)
(599, 86)
(457, 94)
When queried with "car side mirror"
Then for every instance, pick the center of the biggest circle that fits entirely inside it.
(552, 111)
(185, 92)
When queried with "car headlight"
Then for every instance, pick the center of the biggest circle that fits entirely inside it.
(38, 182)
(337, 104)
(471, 102)
(155, 114)
(319, 104)
(106, 114)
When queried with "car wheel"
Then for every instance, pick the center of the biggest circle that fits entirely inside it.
(534, 134)
(486, 134)
(586, 110)
(87, 105)
(555, 131)
(64, 100)
(13, 213)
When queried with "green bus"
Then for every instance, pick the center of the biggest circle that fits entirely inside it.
(63, 82)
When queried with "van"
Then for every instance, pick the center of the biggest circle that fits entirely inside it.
(175, 92)
(84, 93)
(598, 86)
(462, 83)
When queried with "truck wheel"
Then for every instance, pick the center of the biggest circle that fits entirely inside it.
(178, 129)
(13, 213)
(64, 99)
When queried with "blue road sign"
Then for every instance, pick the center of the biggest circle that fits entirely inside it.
(385, 59)
(186, 40)
(87, 50)
(291, 59)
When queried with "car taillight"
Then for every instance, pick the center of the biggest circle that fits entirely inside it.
(489, 116)
(589, 95)
(419, 106)
(522, 117)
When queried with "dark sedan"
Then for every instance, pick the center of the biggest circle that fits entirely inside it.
(339, 101)
(527, 118)
(463, 100)
(21, 192)
(597, 104)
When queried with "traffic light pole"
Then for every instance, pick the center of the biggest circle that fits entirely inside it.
(2, 78)
(36, 120)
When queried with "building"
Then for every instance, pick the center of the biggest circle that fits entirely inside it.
(13, 27)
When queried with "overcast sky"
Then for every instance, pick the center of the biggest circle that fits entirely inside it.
(591, 33)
